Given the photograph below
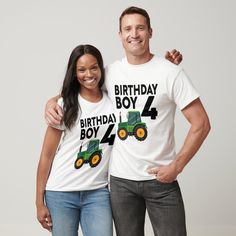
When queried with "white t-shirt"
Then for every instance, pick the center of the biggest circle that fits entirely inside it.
(86, 169)
(145, 96)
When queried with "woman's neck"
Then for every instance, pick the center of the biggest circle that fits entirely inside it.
(91, 96)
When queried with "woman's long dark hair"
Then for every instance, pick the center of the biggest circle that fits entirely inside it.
(71, 86)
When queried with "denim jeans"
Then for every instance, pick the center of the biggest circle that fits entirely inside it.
(163, 202)
(91, 209)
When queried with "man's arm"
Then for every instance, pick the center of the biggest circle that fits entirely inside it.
(53, 112)
(200, 127)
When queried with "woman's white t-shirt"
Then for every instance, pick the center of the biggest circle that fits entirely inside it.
(91, 137)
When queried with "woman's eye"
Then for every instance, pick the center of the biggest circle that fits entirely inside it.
(81, 70)
(94, 68)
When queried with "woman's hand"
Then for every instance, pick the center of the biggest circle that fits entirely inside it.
(174, 56)
(44, 217)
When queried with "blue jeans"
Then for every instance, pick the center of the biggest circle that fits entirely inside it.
(163, 202)
(91, 209)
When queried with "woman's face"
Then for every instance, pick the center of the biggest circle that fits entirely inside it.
(88, 72)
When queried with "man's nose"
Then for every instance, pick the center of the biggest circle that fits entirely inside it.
(134, 33)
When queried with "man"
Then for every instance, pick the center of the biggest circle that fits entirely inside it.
(145, 91)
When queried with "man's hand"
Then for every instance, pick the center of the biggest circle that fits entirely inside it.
(165, 174)
(174, 56)
(44, 218)
(53, 112)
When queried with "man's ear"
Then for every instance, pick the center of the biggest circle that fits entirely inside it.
(119, 34)
(150, 33)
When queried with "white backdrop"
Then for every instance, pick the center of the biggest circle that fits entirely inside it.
(36, 38)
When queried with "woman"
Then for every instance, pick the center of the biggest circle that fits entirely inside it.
(72, 175)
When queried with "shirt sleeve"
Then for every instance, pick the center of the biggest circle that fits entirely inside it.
(183, 91)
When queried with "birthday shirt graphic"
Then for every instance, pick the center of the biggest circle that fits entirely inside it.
(92, 155)
(89, 131)
(82, 159)
(126, 97)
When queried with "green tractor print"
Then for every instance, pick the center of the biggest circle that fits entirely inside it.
(134, 126)
(92, 155)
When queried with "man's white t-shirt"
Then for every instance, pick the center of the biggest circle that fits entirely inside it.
(145, 97)
(73, 168)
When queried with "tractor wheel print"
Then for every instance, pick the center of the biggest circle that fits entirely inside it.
(95, 159)
(122, 133)
(140, 132)
(79, 162)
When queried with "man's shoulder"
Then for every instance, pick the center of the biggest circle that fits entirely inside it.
(113, 68)
(115, 64)
(165, 68)
(166, 64)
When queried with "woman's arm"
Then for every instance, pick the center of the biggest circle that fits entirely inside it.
(50, 144)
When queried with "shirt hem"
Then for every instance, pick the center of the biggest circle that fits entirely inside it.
(75, 189)
(135, 178)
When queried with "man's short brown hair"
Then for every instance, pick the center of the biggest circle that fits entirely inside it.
(136, 10)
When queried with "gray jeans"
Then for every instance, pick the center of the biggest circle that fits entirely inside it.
(164, 203)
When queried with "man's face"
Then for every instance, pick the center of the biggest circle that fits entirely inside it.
(135, 34)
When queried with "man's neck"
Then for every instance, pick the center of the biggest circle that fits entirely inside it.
(140, 59)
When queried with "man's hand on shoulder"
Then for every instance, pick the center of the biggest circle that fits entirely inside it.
(174, 56)
(53, 112)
